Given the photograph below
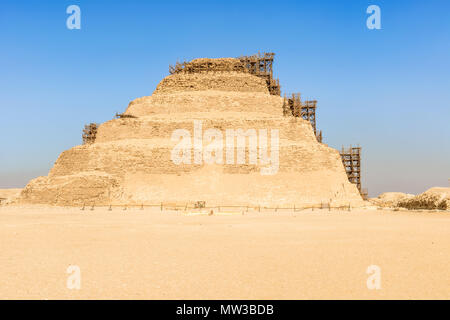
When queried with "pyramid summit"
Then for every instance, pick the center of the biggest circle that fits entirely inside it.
(215, 130)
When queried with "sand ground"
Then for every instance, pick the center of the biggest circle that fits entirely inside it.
(149, 254)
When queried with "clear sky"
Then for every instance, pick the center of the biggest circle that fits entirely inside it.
(388, 89)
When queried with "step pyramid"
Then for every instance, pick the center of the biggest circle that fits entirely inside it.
(135, 159)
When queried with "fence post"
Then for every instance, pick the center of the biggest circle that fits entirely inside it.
(110, 208)
(161, 206)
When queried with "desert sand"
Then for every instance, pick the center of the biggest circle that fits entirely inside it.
(9, 194)
(153, 254)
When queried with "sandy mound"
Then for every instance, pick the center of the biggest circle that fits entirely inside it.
(440, 192)
(434, 198)
(8, 195)
(390, 199)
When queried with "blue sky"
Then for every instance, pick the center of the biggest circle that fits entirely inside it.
(388, 89)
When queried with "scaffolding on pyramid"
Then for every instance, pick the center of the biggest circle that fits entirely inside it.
(89, 133)
(351, 159)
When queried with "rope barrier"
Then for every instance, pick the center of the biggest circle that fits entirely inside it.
(221, 208)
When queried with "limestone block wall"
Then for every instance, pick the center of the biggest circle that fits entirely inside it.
(211, 101)
(139, 172)
(222, 81)
(71, 190)
(134, 156)
(162, 127)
